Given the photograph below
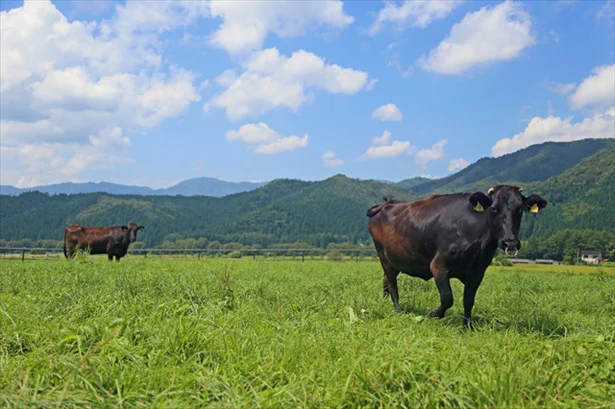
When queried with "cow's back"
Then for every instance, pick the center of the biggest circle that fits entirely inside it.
(97, 238)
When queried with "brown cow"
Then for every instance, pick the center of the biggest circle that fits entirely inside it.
(111, 240)
(448, 236)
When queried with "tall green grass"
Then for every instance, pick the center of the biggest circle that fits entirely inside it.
(248, 334)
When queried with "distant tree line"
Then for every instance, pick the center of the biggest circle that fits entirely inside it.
(563, 246)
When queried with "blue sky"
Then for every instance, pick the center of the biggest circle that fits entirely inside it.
(152, 93)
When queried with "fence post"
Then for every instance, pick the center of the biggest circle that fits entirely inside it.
(302, 256)
(199, 255)
(254, 255)
(23, 254)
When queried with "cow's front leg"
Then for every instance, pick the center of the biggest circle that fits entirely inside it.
(385, 286)
(110, 257)
(442, 279)
(469, 293)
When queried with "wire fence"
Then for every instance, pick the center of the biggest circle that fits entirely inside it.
(364, 254)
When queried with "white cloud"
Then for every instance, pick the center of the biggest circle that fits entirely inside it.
(382, 139)
(70, 87)
(245, 25)
(253, 134)
(598, 89)
(264, 140)
(283, 144)
(597, 92)
(385, 148)
(427, 155)
(553, 128)
(226, 78)
(412, 13)
(330, 159)
(204, 84)
(43, 163)
(388, 112)
(560, 88)
(492, 34)
(607, 11)
(272, 80)
(394, 60)
(457, 164)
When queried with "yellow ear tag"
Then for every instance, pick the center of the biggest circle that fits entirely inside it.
(534, 208)
(479, 207)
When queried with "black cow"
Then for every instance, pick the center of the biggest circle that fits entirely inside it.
(448, 236)
(110, 240)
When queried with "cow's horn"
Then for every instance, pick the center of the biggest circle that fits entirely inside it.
(490, 191)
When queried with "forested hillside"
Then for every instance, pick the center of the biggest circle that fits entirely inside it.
(40, 216)
(535, 163)
(282, 211)
(329, 211)
(580, 196)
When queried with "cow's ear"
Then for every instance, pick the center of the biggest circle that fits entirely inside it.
(480, 201)
(140, 228)
(534, 203)
(124, 227)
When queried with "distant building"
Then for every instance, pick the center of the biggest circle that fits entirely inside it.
(544, 261)
(520, 261)
(591, 256)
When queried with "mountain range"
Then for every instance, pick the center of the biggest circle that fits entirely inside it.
(577, 178)
(202, 186)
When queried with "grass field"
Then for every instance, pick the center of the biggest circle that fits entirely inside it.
(246, 334)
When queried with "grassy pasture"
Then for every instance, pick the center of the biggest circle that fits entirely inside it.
(222, 333)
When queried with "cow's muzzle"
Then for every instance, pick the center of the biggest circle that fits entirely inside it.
(516, 251)
(511, 247)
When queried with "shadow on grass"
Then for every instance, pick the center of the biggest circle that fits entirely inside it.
(407, 308)
(535, 323)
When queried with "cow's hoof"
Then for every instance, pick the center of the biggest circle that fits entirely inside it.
(467, 325)
(435, 314)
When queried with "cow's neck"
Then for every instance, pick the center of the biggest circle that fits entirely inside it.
(489, 244)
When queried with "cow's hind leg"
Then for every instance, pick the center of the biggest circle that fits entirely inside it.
(385, 286)
(389, 283)
(442, 279)
(110, 257)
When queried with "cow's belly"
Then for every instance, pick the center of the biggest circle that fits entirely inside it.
(410, 262)
(119, 251)
(96, 247)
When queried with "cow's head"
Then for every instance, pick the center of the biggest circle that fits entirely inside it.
(505, 205)
(132, 230)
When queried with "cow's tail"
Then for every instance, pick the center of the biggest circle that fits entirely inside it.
(65, 251)
(374, 210)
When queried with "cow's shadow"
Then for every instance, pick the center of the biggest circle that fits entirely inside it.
(541, 324)
(536, 323)
(407, 308)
